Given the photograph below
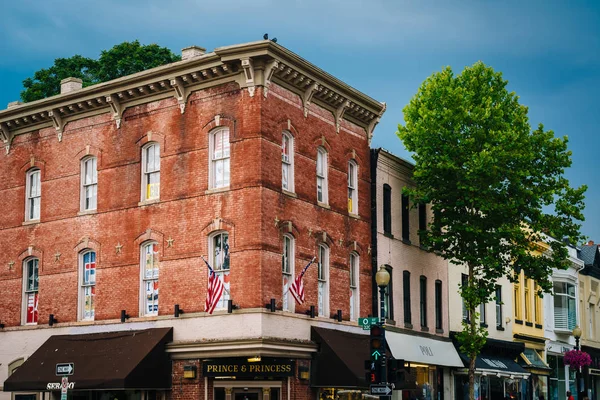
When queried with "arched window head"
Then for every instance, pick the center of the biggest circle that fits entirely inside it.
(151, 171)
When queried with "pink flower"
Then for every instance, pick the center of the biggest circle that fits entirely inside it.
(577, 359)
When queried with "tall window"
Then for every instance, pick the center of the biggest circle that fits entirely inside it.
(387, 209)
(422, 218)
(219, 158)
(323, 277)
(34, 195)
(498, 306)
(88, 284)
(517, 300)
(219, 248)
(287, 271)
(527, 299)
(149, 267)
(388, 296)
(31, 275)
(89, 184)
(151, 171)
(322, 195)
(354, 292)
(565, 317)
(464, 281)
(352, 187)
(482, 315)
(438, 305)
(287, 162)
(423, 294)
(405, 219)
(537, 303)
(406, 296)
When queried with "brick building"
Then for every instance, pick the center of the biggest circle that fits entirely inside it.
(249, 156)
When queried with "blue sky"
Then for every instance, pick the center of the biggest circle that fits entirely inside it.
(549, 51)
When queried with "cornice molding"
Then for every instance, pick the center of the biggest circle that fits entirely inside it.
(248, 347)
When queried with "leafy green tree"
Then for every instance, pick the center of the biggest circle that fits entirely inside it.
(123, 59)
(495, 187)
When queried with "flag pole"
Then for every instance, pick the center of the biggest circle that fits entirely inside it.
(302, 272)
(208, 266)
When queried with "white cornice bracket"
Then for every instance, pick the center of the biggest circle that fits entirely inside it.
(307, 97)
(248, 74)
(374, 123)
(269, 71)
(339, 114)
(116, 109)
(181, 93)
(6, 136)
(58, 123)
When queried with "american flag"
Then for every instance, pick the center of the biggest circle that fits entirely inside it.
(214, 291)
(297, 288)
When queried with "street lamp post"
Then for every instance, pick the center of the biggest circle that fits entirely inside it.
(382, 277)
(577, 335)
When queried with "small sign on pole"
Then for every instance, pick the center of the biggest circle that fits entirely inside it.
(65, 369)
(367, 322)
(380, 390)
(64, 386)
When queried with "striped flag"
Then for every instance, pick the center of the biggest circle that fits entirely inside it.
(214, 291)
(297, 288)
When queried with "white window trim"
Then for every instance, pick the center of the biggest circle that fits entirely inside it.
(576, 297)
(290, 162)
(325, 269)
(220, 272)
(142, 266)
(211, 146)
(353, 168)
(83, 184)
(290, 275)
(27, 193)
(25, 291)
(325, 160)
(144, 189)
(80, 292)
(356, 288)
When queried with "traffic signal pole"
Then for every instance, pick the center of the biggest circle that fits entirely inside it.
(383, 370)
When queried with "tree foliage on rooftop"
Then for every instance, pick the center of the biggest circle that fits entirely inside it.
(123, 59)
(494, 185)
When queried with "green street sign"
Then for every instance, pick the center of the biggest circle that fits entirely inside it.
(367, 322)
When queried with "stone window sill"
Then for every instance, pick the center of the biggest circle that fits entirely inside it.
(31, 222)
(148, 202)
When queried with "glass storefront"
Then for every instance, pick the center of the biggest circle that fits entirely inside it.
(561, 379)
(488, 387)
(428, 386)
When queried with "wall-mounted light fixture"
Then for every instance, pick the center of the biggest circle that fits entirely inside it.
(311, 311)
(1, 325)
(254, 359)
(303, 373)
(338, 316)
(231, 306)
(189, 371)
(124, 315)
(52, 320)
(178, 311)
(270, 305)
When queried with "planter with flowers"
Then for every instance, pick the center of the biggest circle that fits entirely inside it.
(577, 359)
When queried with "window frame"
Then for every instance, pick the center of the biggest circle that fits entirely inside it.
(422, 220)
(287, 160)
(85, 185)
(322, 176)
(439, 318)
(387, 209)
(147, 175)
(570, 299)
(27, 290)
(222, 268)
(405, 218)
(145, 279)
(354, 270)
(323, 280)
(352, 187)
(527, 299)
(30, 203)
(288, 302)
(499, 311)
(482, 315)
(83, 285)
(214, 160)
(406, 297)
(423, 301)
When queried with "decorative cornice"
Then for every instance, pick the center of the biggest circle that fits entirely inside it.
(248, 347)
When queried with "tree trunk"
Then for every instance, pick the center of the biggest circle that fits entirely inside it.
(472, 333)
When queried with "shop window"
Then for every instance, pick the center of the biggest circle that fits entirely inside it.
(354, 290)
(322, 185)
(34, 195)
(352, 187)
(323, 281)
(406, 297)
(219, 149)
(499, 321)
(405, 219)
(423, 300)
(287, 162)
(438, 305)
(87, 262)
(565, 317)
(30, 286)
(151, 171)
(219, 256)
(287, 271)
(89, 184)
(387, 209)
(149, 268)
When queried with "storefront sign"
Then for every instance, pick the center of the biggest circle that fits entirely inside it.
(58, 385)
(243, 369)
(426, 351)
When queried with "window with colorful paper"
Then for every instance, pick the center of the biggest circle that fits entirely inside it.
(88, 284)
(150, 266)
(220, 263)
(31, 274)
(151, 172)
(352, 187)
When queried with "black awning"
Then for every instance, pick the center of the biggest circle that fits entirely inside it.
(111, 360)
(340, 361)
(501, 364)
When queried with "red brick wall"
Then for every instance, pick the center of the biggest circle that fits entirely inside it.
(185, 212)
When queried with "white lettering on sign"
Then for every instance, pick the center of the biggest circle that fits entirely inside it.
(58, 385)
(494, 363)
(426, 350)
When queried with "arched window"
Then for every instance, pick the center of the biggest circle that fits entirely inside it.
(33, 192)
(219, 158)
(149, 270)
(87, 262)
(352, 187)
(322, 186)
(323, 278)
(287, 162)
(151, 171)
(30, 290)
(287, 271)
(89, 184)
(219, 260)
(354, 286)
